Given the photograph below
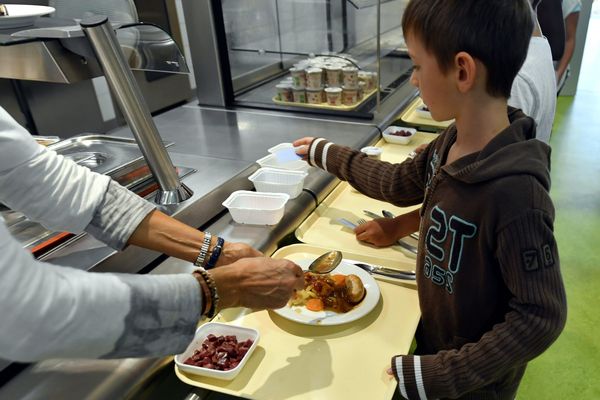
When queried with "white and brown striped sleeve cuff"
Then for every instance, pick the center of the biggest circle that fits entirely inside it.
(412, 373)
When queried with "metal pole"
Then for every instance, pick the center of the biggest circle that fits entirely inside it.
(124, 86)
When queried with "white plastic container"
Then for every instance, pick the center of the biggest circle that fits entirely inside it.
(272, 161)
(390, 138)
(274, 180)
(256, 208)
(217, 329)
(279, 147)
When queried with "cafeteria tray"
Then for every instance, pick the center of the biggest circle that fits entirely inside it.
(304, 362)
(326, 106)
(411, 117)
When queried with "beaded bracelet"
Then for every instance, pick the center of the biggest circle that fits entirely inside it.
(213, 292)
(216, 253)
(203, 250)
(206, 294)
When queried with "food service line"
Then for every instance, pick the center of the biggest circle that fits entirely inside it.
(223, 147)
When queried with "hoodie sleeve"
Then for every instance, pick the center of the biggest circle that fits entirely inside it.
(528, 260)
(399, 184)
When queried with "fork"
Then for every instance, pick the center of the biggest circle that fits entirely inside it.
(400, 242)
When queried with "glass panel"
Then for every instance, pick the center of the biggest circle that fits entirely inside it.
(268, 37)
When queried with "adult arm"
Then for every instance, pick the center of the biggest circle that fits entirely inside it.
(529, 265)
(64, 196)
(50, 311)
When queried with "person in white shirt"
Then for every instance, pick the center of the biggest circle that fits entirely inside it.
(534, 88)
(570, 11)
(50, 311)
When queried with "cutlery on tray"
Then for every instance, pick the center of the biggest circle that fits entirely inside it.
(388, 272)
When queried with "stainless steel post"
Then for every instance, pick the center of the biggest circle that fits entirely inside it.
(122, 83)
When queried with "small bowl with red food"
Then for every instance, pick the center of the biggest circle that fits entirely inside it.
(218, 350)
(398, 134)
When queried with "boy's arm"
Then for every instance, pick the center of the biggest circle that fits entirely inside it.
(529, 265)
(400, 184)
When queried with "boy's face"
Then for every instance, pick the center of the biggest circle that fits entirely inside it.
(437, 88)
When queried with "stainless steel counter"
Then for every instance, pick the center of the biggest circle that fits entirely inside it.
(223, 146)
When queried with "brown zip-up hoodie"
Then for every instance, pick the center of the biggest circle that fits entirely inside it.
(490, 288)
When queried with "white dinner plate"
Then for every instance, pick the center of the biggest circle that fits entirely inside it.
(21, 15)
(304, 316)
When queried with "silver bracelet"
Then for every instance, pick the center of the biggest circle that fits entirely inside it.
(203, 250)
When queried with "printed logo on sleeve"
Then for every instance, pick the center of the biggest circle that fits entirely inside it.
(530, 260)
(548, 256)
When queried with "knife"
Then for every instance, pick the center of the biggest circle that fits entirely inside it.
(347, 223)
(389, 272)
(371, 214)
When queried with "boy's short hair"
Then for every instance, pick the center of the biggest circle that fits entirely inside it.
(496, 32)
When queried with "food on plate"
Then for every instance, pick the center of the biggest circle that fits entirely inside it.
(3, 10)
(339, 293)
(401, 132)
(220, 352)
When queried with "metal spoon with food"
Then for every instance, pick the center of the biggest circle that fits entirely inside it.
(326, 263)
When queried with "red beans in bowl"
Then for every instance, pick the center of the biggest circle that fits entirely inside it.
(220, 352)
(401, 132)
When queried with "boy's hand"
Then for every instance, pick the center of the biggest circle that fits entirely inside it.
(301, 146)
(383, 232)
(380, 232)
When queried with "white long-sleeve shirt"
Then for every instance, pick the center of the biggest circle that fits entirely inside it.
(52, 311)
(534, 87)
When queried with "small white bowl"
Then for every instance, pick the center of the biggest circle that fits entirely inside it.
(423, 112)
(388, 137)
(256, 208)
(272, 180)
(217, 329)
(372, 152)
(272, 161)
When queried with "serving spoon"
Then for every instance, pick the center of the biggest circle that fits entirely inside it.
(326, 263)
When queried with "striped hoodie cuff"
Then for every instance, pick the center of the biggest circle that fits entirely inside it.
(317, 153)
(412, 374)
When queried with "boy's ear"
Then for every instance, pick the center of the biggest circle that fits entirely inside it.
(466, 71)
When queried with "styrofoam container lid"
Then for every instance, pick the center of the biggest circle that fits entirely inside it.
(241, 333)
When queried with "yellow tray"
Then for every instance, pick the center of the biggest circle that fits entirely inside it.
(295, 361)
(411, 116)
(325, 106)
(322, 229)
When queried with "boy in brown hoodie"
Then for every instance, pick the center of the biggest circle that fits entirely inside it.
(490, 288)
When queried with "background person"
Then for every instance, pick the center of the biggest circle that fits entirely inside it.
(570, 13)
